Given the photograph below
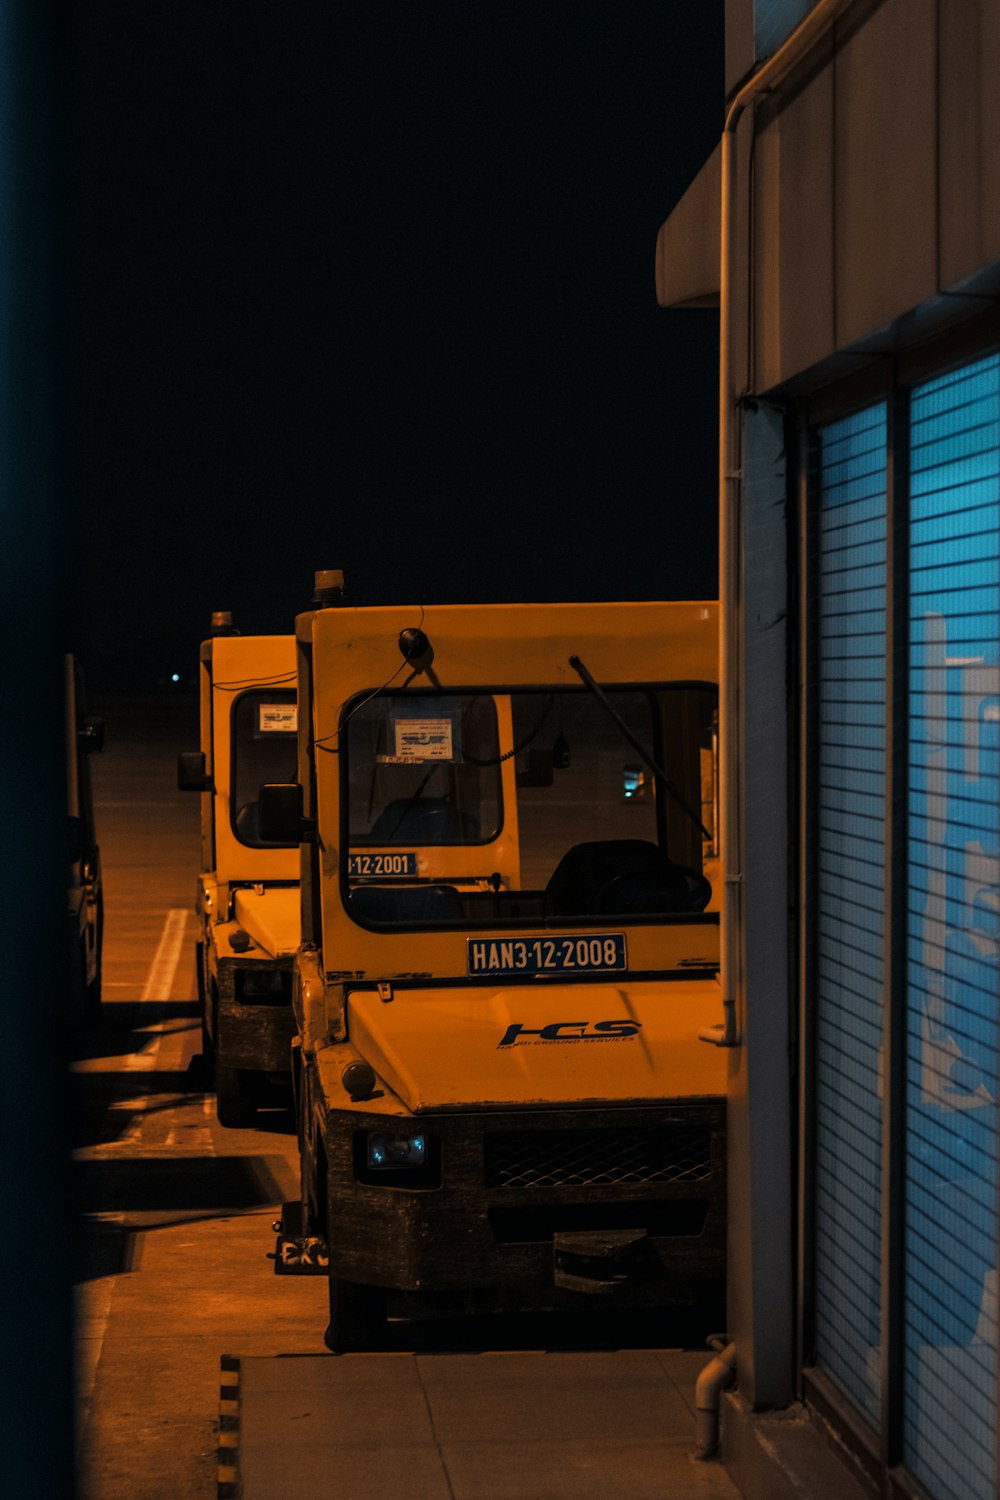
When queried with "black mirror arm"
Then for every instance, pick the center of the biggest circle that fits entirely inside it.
(647, 760)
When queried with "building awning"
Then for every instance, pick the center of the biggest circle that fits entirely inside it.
(687, 246)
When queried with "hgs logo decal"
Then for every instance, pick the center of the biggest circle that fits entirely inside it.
(569, 1031)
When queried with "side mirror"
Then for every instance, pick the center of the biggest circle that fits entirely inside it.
(191, 773)
(280, 815)
(90, 734)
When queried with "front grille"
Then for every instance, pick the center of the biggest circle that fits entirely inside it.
(612, 1157)
(676, 1218)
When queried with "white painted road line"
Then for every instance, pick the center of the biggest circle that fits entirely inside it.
(159, 984)
(167, 956)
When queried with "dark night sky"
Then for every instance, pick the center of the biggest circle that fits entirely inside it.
(370, 285)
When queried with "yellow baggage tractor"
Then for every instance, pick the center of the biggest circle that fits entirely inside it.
(510, 944)
(247, 899)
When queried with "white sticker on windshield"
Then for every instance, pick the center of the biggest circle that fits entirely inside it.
(277, 718)
(423, 739)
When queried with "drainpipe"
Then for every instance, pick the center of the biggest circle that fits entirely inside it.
(713, 1380)
(765, 80)
(720, 1372)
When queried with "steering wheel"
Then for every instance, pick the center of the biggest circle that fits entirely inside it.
(687, 891)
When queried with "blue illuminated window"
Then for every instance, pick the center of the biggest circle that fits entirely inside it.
(953, 909)
(929, 1191)
(849, 903)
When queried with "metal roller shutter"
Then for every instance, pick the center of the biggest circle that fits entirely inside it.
(849, 903)
(950, 1279)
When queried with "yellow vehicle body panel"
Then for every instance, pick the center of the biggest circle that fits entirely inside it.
(235, 665)
(271, 915)
(355, 652)
(450, 1048)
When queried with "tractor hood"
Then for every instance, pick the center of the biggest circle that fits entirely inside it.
(449, 1048)
(271, 915)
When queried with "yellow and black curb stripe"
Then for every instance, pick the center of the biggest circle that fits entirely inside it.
(229, 1428)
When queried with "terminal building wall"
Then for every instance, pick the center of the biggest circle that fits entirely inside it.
(866, 328)
(874, 191)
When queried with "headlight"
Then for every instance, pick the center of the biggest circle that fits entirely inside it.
(387, 1153)
(402, 1158)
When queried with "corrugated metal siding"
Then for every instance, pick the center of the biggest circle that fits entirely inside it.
(953, 934)
(849, 903)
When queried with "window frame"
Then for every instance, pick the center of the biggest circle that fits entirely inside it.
(262, 693)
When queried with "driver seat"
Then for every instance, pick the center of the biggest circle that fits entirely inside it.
(622, 877)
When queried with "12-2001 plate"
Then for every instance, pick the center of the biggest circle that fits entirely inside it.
(598, 953)
(381, 866)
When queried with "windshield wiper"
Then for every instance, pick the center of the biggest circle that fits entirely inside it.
(644, 755)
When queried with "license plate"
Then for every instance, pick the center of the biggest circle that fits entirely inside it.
(603, 953)
(301, 1255)
(381, 866)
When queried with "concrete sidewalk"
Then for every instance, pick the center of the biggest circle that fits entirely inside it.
(497, 1426)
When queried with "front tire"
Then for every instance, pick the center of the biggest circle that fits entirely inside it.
(235, 1100)
(92, 1001)
(357, 1317)
(207, 1049)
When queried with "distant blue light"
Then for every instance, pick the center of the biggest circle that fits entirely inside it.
(175, 677)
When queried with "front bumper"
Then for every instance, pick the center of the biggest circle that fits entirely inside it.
(519, 1192)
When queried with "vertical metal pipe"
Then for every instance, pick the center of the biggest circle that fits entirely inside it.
(729, 622)
(763, 81)
(717, 1375)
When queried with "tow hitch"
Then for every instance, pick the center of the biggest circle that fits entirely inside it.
(598, 1261)
(296, 1253)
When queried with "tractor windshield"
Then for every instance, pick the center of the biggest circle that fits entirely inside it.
(482, 808)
